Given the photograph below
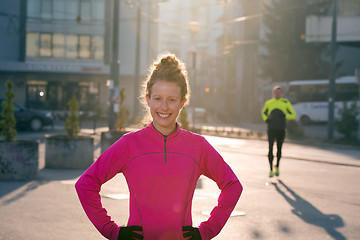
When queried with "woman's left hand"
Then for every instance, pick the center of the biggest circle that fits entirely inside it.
(191, 233)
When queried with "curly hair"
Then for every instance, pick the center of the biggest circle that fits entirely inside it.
(170, 69)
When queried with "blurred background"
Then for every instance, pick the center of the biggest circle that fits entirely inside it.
(235, 51)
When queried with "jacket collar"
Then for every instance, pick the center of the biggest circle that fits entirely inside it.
(171, 135)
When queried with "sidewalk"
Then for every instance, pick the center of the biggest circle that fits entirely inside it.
(48, 207)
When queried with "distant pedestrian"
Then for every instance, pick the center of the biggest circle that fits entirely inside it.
(162, 164)
(274, 113)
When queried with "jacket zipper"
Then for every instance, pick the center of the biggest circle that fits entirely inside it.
(165, 138)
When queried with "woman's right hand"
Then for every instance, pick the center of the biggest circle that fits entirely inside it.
(130, 232)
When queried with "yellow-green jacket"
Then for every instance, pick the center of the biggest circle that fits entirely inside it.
(276, 111)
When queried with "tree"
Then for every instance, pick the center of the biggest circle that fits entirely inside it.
(72, 122)
(287, 56)
(8, 123)
(348, 123)
(123, 113)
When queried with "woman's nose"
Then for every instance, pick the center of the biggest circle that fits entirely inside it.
(164, 105)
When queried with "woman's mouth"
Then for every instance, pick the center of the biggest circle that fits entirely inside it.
(163, 115)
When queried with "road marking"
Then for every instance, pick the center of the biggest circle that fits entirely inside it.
(118, 196)
(233, 213)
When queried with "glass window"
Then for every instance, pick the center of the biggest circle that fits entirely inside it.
(32, 44)
(84, 47)
(58, 43)
(346, 92)
(36, 96)
(98, 10)
(33, 9)
(71, 46)
(72, 9)
(83, 96)
(59, 9)
(45, 45)
(46, 9)
(350, 7)
(85, 11)
(97, 47)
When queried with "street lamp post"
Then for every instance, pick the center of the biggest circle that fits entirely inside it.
(357, 74)
(114, 67)
(137, 62)
(332, 73)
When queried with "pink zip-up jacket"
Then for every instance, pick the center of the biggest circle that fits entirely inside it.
(161, 173)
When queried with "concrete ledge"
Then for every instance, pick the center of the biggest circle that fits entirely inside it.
(69, 153)
(19, 160)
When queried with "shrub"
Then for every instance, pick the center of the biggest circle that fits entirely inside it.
(8, 123)
(123, 113)
(347, 125)
(72, 122)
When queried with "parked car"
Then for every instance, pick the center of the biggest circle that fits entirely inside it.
(30, 119)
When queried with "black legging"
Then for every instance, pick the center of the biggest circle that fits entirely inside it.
(279, 136)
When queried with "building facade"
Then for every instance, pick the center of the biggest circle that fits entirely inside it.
(52, 49)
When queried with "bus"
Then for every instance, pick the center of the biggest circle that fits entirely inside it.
(310, 98)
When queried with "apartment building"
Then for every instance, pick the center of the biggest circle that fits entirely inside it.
(52, 49)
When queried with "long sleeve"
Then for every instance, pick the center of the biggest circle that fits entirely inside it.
(88, 189)
(290, 112)
(214, 167)
(265, 112)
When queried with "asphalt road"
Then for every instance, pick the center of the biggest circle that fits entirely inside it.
(316, 196)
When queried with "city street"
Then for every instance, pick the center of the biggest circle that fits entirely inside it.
(316, 196)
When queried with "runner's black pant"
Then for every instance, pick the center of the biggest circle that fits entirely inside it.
(278, 136)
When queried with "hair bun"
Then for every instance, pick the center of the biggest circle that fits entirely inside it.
(169, 61)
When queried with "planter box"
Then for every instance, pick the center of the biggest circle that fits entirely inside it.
(19, 160)
(109, 138)
(69, 153)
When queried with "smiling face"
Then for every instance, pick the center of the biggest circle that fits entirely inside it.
(165, 103)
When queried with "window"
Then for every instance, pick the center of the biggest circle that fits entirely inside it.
(71, 46)
(58, 43)
(45, 45)
(36, 94)
(72, 9)
(346, 92)
(32, 44)
(97, 47)
(59, 10)
(46, 9)
(33, 9)
(98, 10)
(85, 10)
(84, 46)
(350, 7)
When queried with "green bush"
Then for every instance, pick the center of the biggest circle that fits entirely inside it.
(72, 122)
(348, 124)
(123, 113)
(8, 123)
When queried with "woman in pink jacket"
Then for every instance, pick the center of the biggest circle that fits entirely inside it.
(161, 164)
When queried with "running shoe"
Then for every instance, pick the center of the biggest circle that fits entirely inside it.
(271, 174)
(277, 172)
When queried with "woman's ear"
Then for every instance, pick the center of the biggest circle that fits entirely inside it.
(183, 102)
(148, 100)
